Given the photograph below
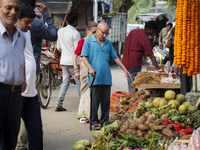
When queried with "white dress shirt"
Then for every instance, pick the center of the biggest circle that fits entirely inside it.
(68, 38)
(30, 67)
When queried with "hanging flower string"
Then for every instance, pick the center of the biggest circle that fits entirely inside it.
(186, 46)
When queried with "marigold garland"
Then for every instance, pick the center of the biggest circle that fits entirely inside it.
(187, 39)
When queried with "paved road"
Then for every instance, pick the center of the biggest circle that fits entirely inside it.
(62, 129)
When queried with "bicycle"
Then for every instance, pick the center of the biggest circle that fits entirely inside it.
(51, 76)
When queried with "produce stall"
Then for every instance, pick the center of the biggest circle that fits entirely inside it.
(146, 123)
(154, 86)
(168, 122)
(152, 80)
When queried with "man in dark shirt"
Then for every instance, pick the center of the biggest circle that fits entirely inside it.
(41, 31)
(134, 46)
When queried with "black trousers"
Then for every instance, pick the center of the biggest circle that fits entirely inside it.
(100, 94)
(31, 115)
(10, 113)
(171, 54)
(185, 82)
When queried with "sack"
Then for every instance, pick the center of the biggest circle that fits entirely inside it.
(115, 100)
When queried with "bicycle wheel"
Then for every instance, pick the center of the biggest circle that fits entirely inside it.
(45, 88)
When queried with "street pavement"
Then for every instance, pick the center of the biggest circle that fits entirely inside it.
(62, 129)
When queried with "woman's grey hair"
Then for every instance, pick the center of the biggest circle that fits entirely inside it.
(91, 24)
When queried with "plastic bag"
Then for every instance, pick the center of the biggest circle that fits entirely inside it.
(194, 140)
(115, 100)
(192, 144)
(187, 131)
(173, 146)
(177, 126)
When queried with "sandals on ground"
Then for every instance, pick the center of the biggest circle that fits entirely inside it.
(83, 120)
(96, 127)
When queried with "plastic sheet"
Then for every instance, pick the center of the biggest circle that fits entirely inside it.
(173, 146)
(195, 140)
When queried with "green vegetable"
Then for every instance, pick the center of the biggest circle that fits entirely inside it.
(133, 141)
(176, 118)
(148, 104)
(163, 144)
(97, 134)
(79, 147)
(84, 142)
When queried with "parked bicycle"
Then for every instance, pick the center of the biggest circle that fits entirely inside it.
(51, 76)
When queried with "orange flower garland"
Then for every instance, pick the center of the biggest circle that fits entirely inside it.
(187, 39)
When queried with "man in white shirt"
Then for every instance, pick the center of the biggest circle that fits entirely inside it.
(68, 38)
(31, 107)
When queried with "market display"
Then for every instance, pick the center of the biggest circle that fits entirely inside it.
(146, 123)
(186, 42)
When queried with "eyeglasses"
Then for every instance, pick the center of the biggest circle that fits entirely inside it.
(103, 32)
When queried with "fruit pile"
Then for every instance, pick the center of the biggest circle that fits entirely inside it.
(171, 106)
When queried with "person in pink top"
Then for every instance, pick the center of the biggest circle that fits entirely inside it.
(136, 43)
(81, 74)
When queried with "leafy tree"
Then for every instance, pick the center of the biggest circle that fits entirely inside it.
(139, 6)
(144, 6)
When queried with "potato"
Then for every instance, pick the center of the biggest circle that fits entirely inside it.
(133, 126)
(142, 127)
(140, 120)
(158, 128)
(127, 122)
(147, 122)
(124, 128)
(149, 132)
(146, 135)
(167, 132)
(163, 118)
(150, 99)
(143, 97)
(129, 131)
(157, 122)
(114, 117)
(147, 94)
(151, 124)
(170, 126)
(139, 93)
(151, 118)
(139, 133)
(147, 114)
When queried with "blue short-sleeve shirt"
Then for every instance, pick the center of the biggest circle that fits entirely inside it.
(98, 56)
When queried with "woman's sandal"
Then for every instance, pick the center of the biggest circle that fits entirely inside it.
(83, 120)
(96, 127)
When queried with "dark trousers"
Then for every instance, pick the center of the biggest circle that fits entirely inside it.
(100, 94)
(185, 82)
(10, 113)
(133, 73)
(31, 115)
(171, 54)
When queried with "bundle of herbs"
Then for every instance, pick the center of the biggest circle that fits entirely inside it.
(134, 142)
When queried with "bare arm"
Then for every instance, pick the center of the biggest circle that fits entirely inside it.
(160, 40)
(92, 72)
(153, 59)
(168, 35)
(119, 63)
(124, 45)
(76, 70)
